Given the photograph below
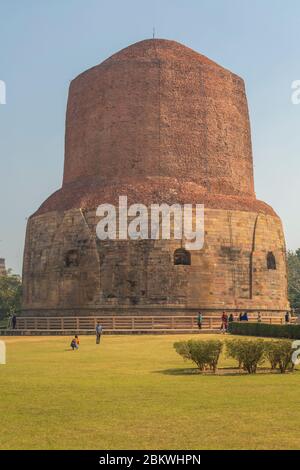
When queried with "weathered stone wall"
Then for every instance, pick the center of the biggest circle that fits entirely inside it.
(157, 108)
(158, 123)
(140, 277)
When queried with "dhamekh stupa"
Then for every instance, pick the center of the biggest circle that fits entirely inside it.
(159, 123)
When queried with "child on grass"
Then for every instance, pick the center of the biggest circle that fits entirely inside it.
(75, 343)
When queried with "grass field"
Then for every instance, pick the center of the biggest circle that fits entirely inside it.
(135, 392)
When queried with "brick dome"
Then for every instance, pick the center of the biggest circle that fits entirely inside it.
(157, 108)
(157, 121)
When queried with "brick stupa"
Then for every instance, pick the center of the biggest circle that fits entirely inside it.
(156, 122)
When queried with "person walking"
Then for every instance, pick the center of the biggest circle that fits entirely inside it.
(287, 317)
(224, 323)
(258, 317)
(199, 320)
(99, 330)
(14, 322)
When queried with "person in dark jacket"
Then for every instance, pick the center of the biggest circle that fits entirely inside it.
(14, 322)
(287, 317)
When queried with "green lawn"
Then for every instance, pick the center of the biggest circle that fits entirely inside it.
(135, 392)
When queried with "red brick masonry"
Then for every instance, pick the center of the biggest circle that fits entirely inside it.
(156, 122)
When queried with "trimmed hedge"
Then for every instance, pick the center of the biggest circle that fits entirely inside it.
(264, 329)
(249, 353)
(203, 353)
(279, 353)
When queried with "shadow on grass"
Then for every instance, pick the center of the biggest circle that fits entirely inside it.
(195, 371)
(186, 371)
(222, 371)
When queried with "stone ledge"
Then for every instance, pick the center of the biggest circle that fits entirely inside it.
(106, 332)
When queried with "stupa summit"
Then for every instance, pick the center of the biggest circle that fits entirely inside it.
(158, 123)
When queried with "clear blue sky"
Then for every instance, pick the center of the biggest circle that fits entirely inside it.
(44, 44)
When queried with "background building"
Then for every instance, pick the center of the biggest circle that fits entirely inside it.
(2, 267)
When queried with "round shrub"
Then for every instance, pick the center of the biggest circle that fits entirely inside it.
(248, 353)
(203, 353)
(279, 353)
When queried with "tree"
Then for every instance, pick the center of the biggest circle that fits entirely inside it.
(10, 294)
(293, 266)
